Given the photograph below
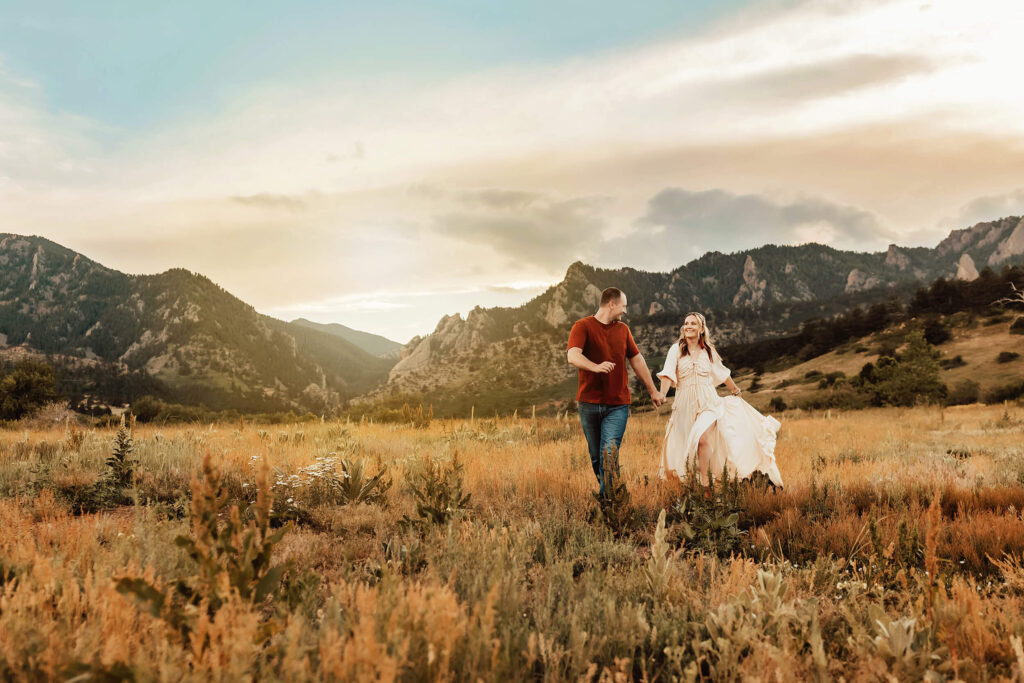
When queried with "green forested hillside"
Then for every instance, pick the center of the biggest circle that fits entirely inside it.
(197, 342)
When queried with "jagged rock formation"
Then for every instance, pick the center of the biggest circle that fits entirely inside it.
(178, 326)
(965, 268)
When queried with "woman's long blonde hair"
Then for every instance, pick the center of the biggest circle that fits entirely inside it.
(704, 340)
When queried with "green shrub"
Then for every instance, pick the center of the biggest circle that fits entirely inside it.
(964, 393)
(660, 566)
(705, 523)
(355, 487)
(830, 379)
(1006, 392)
(438, 491)
(936, 332)
(913, 378)
(1007, 356)
(30, 385)
(121, 465)
(954, 362)
(231, 557)
(614, 507)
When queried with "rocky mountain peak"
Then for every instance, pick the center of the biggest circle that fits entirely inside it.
(752, 292)
(965, 268)
(896, 258)
(988, 234)
(1010, 247)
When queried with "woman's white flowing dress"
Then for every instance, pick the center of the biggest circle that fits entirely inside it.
(742, 439)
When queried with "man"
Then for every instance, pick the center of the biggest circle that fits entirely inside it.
(599, 345)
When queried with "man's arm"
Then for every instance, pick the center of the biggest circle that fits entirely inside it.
(642, 371)
(577, 359)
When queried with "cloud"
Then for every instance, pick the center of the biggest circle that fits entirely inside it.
(990, 208)
(497, 198)
(272, 201)
(683, 223)
(519, 288)
(36, 145)
(826, 78)
(529, 227)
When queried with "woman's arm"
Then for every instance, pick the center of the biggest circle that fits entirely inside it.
(720, 374)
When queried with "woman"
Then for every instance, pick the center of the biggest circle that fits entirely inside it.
(719, 432)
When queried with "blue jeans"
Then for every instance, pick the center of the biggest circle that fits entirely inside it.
(603, 425)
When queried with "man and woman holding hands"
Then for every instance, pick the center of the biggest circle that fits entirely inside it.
(711, 431)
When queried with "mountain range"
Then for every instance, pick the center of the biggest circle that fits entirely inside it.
(746, 295)
(205, 345)
(371, 343)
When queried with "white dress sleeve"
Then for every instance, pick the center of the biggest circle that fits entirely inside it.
(669, 371)
(719, 373)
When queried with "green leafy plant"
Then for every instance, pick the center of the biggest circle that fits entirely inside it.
(121, 465)
(614, 505)
(660, 567)
(74, 436)
(709, 523)
(354, 486)
(906, 648)
(231, 557)
(438, 491)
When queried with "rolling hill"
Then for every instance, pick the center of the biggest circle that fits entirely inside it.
(205, 345)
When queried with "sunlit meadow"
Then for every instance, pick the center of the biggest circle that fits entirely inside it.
(474, 550)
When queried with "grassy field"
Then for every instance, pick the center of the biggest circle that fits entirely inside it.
(895, 550)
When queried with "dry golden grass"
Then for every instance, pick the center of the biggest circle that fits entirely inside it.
(896, 549)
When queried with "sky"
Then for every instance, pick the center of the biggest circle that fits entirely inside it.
(382, 164)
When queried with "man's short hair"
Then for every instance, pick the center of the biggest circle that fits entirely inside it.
(609, 295)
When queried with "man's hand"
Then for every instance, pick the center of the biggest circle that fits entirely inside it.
(578, 360)
(657, 398)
